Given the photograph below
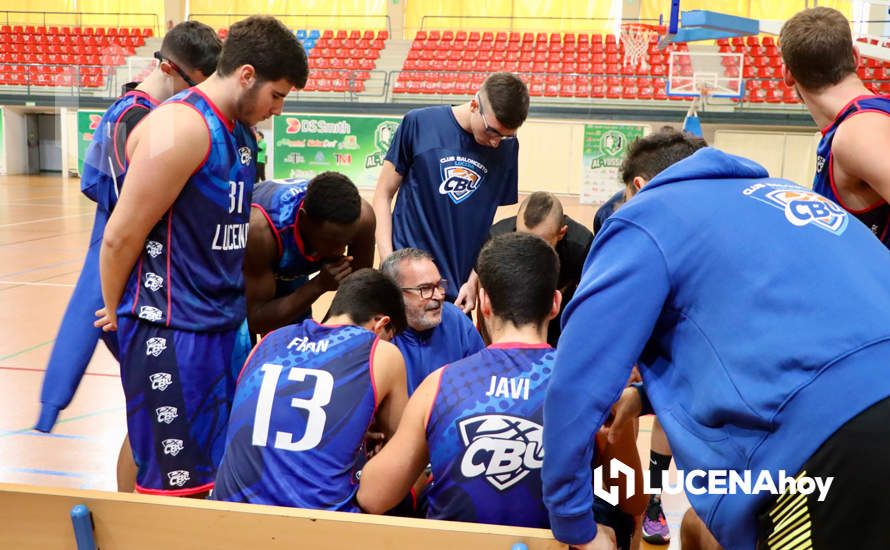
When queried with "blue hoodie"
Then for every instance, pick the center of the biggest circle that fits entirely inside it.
(759, 313)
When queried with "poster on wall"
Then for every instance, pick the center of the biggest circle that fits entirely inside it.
(605, 147)
(306, 145)
(87, 122)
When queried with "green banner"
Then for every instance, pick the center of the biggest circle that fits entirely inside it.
(306, 145)
(87, 122)
(605, 147)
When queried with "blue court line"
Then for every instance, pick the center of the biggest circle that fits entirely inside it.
(55, 236)
(25, 283)
(63, 421)
(43, 472)
(39, 268)
(26, 350)
(60, 436)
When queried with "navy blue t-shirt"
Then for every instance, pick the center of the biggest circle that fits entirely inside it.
(450, 190)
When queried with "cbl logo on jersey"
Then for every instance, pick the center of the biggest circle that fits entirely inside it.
(461, 176)
(503, 448)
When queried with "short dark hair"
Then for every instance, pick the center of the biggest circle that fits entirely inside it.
(647, 156)
(508, 97)
(332, 197)
(192, 45)
(271, 48)
(519, 272)
(367, 293)
(817, 47)
(391, 266)
(539, 206)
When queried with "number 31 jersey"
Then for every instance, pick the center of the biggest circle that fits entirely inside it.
(303, 404)
(189, 274)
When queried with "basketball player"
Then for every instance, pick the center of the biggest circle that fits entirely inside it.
(452, 167)
(188, 53)
(298, 228)
(852, 164)
(177, 283)
(478, 421)
(306, 397)
(748, 368)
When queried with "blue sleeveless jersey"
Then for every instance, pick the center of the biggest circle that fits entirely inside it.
(189, 274)
(877, 216)
(302, 406)
(450, 190)
(104, 168)
(280, 201)
(485, 437)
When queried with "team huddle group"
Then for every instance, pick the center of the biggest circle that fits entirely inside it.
(756, 311)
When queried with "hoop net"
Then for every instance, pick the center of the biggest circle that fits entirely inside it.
(636, 37)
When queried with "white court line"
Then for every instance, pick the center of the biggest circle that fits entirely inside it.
(47, 219)
(25, 283)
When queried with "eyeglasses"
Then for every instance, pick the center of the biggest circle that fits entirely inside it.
(180, 72)
(488, 129)
(428, 290)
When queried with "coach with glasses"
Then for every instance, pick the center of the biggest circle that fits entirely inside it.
(438, 333)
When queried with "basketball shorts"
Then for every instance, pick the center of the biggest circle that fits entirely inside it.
(179, 387)
(857, 456)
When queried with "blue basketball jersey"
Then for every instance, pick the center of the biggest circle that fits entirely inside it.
(485, 437)
(105, 165)
(451, 188)
(280, 202)
(189, 274)
(877, 216)
(302, 406)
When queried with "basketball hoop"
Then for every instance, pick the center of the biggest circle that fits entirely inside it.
(635, 37)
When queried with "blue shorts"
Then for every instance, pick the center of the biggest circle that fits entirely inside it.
(179, 388)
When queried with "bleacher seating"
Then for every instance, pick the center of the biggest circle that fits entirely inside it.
(57, 56)
(339, 61)
(762, 70)
(342, 61)
(566, 65)
(574, 65)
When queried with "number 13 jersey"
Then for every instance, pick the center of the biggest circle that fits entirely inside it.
(303, 404)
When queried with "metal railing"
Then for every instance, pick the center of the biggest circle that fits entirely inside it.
(70, 82)
(81, 19)
(298, 20)
(522, 24)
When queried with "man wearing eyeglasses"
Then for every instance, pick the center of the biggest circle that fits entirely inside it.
(196, 47)
(438, 332)
(452, 167)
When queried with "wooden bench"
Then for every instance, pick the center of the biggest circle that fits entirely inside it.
(39, 518)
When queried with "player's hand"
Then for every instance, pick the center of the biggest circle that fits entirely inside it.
(624, 411)
(332, 273)
(374, 441)
(107, 320)
(466, 297)
(604, 540)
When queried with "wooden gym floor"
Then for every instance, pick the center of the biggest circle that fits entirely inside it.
(45, 226)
